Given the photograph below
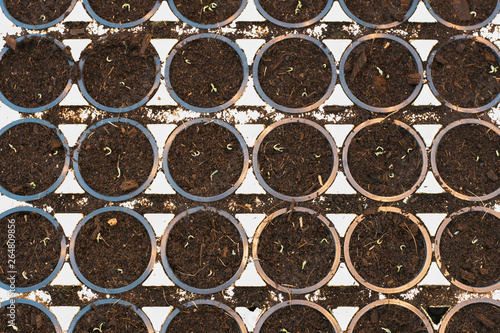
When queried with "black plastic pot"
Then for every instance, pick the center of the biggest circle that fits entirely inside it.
(294, 25)
(102, 21)
(40, 26)
(53, 319)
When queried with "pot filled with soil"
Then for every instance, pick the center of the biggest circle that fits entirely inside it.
(295, 159)
(294, 73)
(204, 250)
(481, 315)
(387, 250)
(34, 159)
(465, 159)
(111, 315)
(35, 251)
(384, 160)
(119, 72)
(207, 14)
(463, 14)
(467, 249)
(206, 73)
(210, 315)
(35, 73)
(381, 73)
(383, 14)
(121, 14)
(205, 159)
(115, 159)
(296, 251)
(24, 315)
(463, 73)
(293, 13)
(297, 316)
(389, 315)
(112, 250)
(37, 14)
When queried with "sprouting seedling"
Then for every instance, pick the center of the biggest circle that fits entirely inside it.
(324, 240)
(126, 5)
(477, 158)
(119, 270)
(283, 330)
(14, 327)
(195, 153)
(408, 150)
(399, 267)
(278, 148)
(214, 90)
(281, 249)
(229, 146)
(401, 247)
(380, 72)
(324, 65)
(391, 166)
(474, 241)
(39, 96)
(33, 185)
(99, 237)
(212, 174)
(42, 17)
(304, 264)
(290, 69)
(305, 94)
(493, 69)
(496, 151)
(473, 13)
(187, 61)
(98, 328)
(108, 59)
(108, 150)
(25, 276)
(44, 241)
(317, 155)
(187, 243)
(210, 6)
(299, 6)
(380, 151)
(12, 147)
(391, 175)
(211, 273)
(386, 330)
(119, 172)
(122, 83)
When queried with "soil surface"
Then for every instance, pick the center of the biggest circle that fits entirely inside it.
(387, 249)
(381, 72)
(35, 73)
(296, 250)
(120, 70)
(297, 319)
(380, 11)
(205, 159)
(115, 159)
(480, 318)
(292, 11)
(205, 12)
(294, 73)
(31, 159)
(295, 159)
(385, 159)
(122, 11)
(470, 251)
(210, 319)
(204, 250)
(28, 319)
(394, 318)
(37, 248)
(37, 12)
(463, 12)
(112, 250)
(114, 319)
(467, 160)
(206, 72)
(464, 73)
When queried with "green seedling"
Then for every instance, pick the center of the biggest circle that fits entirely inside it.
(290, 69)
(119, 172)
(229, 146)
(278, 148)
(477, 158)
(493, 69)
(317, 155)
(281, 249)
(474, 241)
(39, 96)
(304, 264)
(380, 72)
(211, 273)
(324, 240)
(324, 65)
(386, 330)
(408, 150)
(391, 175)
(283, 330)
(42, 17)
(24, 275)
(122, 83)
(399, 267)
(391, 166)
(187, 61)
(379, 241)
(380, 151)
(187, 243)
(214, 90)
(126, 5)
(305, 94)
(108, 150)
(210, 6)
(212, 174)
(99, 237)
(195, 153)
(99, 329)
(402, 247)
(33, 185)
(299, 6)
(44, 241)
(119, 270)
(14, 327)
(496, 151)
(109, 60)
(473, 13)
(12, 147)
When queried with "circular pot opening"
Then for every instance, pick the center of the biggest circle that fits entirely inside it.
(293, 14)
(29, 316)
(473, 315)
(37, 15)
(123, 13)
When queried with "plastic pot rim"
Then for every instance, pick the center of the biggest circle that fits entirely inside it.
(326, 184)
(170, 272)
(233, 314)
(357, 187)
(305, 290)
(65, 167)
(289, 25)
(122, 197)
(46, 311)
(152, 256)
(385, 109)
(28, 26)
(439, 259)
(425, 266)
(244, 65)
(110, 24)
(56, 101)
(456, 308)
(435, 146)
(244, 169)
(269, 101)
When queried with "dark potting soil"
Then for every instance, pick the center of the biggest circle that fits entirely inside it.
(209, 319)
(385, 159)
(394, 318)
(296, 250)
(207, 11)
(37, 248)
(27, 319)
(122, 11)
(116, 159)
(381, 72)
(464, 73)
(295, 159)
(470, 251)
(381, 11)
(112, 255)
(293, 11)
(294, 72)
(480, 318)
(468, 160)
(113, 318)
(297, 319)
(387, 249)
(205, 159)
(37, 12)
(31, 159)
(204, 250)
(463, 12)
(206, 72)
(36, 73)
(120, 70)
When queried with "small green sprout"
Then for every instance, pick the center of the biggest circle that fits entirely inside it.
(187, 61)
(408, 150)
(304, 264)
(122, 83)
(109, 60)
(391, 166)
(211, 273)
(473, 13)
(399, 267)
(391, 175)
(379, 241)
(281, 249)
(324, 240)
(108, 150)
(42, 17)
(477, 158)
(456, 232)
(99, 237)
(14, 327)
(493, 69)
(324, 65)
(498, 154)
(229, 146)
(213, 88)
(12, 147)
(39, 96)
(317, 155)
(212, 174)
(210, 6)
(195, 153)
(278, 148)
(33, 185)
(119, 172)
(126, 5)
(402, 247)
(24, 275)
(119, 270)
(290, 69)
(378, 153)
(305, 94)
(283, 330)
(44, 241)
(380, 72)
(475, 241)
(386, 330)
(299, 6)
(98, 328)
(404, 156)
